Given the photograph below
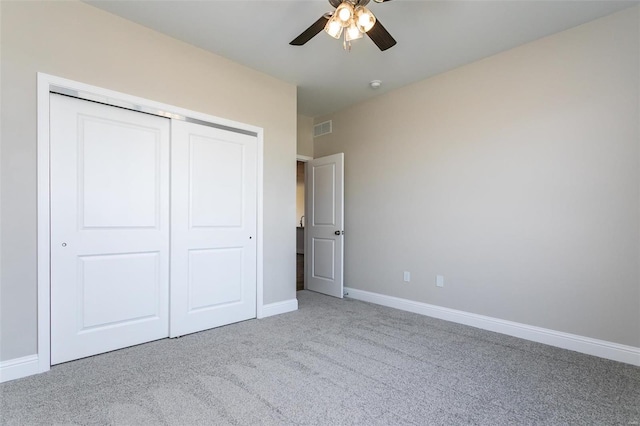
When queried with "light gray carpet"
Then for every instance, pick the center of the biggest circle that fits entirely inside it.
(333, 362)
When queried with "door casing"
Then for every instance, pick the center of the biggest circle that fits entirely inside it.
(47, 84)
(305, 159)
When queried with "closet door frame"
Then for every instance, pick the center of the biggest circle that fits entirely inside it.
(47, 84)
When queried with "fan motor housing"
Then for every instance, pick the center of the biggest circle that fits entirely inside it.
(336, 3)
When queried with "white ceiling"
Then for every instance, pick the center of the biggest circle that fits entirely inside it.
(433, 37)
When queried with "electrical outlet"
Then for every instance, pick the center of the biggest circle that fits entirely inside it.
(407, 276)
(439, 281)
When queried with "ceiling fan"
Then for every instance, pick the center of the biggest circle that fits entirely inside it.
(351, 19)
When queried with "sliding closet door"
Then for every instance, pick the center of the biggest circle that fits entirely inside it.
(213, 235)
(109, 228)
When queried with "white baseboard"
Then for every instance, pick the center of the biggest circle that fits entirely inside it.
(586, 345)
(18, 368)
(278, 308)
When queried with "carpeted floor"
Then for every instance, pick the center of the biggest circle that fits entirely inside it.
(333, 362)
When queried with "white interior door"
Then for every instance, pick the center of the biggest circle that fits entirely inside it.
(214, 221)
(324, 230)
(109, 228)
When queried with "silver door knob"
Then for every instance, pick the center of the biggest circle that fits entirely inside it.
(64, 244)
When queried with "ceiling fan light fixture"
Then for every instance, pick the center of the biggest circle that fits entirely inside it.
(350, 19)
(365, 20)
(333, 27)
(344, 12)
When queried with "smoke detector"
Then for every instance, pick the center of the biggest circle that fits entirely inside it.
(375, 84)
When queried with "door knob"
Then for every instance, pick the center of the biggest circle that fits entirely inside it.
(337, 232)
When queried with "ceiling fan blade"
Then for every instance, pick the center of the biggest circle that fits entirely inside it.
(310, 32)
(381, 36)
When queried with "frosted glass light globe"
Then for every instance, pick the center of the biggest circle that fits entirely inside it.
(345, 14)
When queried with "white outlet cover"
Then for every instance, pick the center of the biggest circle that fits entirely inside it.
(407, 276)
(439, 281)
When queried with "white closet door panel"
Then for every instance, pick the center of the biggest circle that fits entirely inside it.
(118, 175)
(216, 193)
(215, 277)
(213, 262)
(109, 228)
(118, 288)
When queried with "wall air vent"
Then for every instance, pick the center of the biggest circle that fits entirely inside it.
(322, 129)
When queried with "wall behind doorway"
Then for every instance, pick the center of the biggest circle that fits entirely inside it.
(299, 192)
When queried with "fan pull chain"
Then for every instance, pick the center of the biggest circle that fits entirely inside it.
(346, 44)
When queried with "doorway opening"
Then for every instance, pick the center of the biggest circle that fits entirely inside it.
(300, 204)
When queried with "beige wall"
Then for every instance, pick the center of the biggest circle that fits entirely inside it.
(79, 42)
(515, 177)
(305, 135)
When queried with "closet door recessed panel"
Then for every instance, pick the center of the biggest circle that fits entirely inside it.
(216, 187)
